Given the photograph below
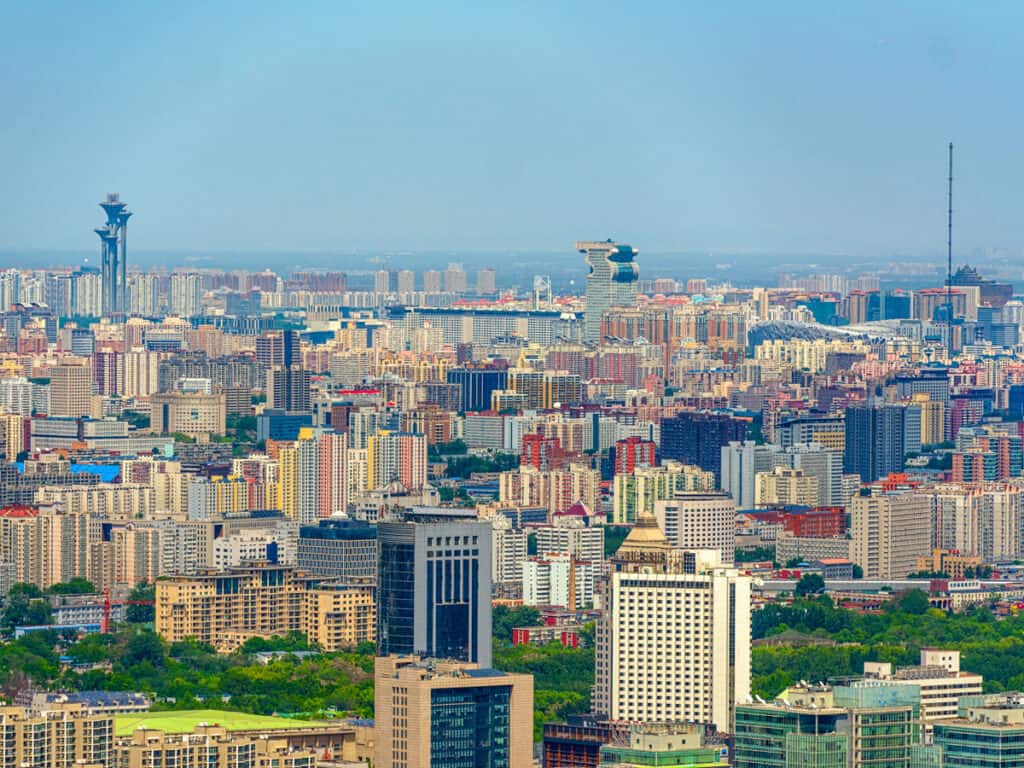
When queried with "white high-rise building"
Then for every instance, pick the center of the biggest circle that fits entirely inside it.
(612, 281)
(16, 395)
(570, 536)
(508, 550)
(143, 294)
(741, 461)
(10, 288)
(699, 521)
(87, 294)
(558, 580)
(673, 643)
(184, 295)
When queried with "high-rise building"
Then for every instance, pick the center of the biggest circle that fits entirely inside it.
(184, 294)
(70, 390)
(741, 461)
(114, 254)
(339, 548)
(288, 388)
(477, 385)
(431, 281)
(59, 736)
(611, 282)
(698, 438)
(673, 643)
(434, 586)
(878, 438)
(890, 531)
(633, 452)
(433, 713)
(693, 520)
(637, 492)
(785, 487)
(406, 281)
(485, 281)
(455, 279)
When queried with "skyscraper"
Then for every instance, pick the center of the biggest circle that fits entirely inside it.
(612, 281)
(698, 438)
(434, 586)
(113, 253)
(673, 642)
(878, 437)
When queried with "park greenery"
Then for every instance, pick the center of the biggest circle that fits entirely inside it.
(822, 642)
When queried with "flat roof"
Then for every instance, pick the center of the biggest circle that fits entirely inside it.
(185, 721)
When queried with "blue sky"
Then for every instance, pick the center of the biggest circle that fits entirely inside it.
(793, 127)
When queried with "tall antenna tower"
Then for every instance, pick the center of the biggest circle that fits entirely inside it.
(949, 260)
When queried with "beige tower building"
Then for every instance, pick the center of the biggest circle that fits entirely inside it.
(890, 531)
(673, 643)
(191, 414)
(473, 709)
(785, 487)
(699, 521)
(70, 390)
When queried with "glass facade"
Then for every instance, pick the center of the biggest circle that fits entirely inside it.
(980, 746)
(469, 727)
(396, 597)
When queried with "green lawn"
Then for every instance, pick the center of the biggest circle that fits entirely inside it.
(185, 721)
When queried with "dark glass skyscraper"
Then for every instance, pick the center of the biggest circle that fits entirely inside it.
(878, 438)
(477, 385)
(434, 586)
(697, 438)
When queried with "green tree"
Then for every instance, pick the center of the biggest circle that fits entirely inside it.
(141, 614)
(75, 586)
(914, 602)
(810, 584)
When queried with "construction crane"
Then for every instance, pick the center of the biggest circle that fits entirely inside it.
(107, 603)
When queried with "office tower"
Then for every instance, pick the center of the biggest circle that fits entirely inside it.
(455, 279)
(878, 437)
(697, 438)
(988, 731)
(280, 349)
(741, 461)
(432, 713)
(70, 390)
(406, 281)
(184, 294)
(114, 254)
(338, 548)
(485, 281)
(693, 520)
(673, 643)
(939, 678)
(611, 282)
(863, 724)
(288, 388)
(477, 384)
(890, 531)
(191, 414)
(434, 586)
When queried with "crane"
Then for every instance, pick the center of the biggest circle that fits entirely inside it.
(107, 603)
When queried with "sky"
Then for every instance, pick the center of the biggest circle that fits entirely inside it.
(235, 127)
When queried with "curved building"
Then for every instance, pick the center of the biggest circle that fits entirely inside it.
(611, 282)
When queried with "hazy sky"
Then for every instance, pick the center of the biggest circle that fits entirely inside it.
(795, 127)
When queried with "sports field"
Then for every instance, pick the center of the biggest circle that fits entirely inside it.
(185, 721)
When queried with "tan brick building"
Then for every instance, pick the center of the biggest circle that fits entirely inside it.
(60, 736)
(414, 698)
(225, 608)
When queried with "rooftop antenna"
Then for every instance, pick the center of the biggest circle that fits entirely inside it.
(949, 260)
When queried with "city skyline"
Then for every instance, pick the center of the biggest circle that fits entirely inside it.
(803, 132)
